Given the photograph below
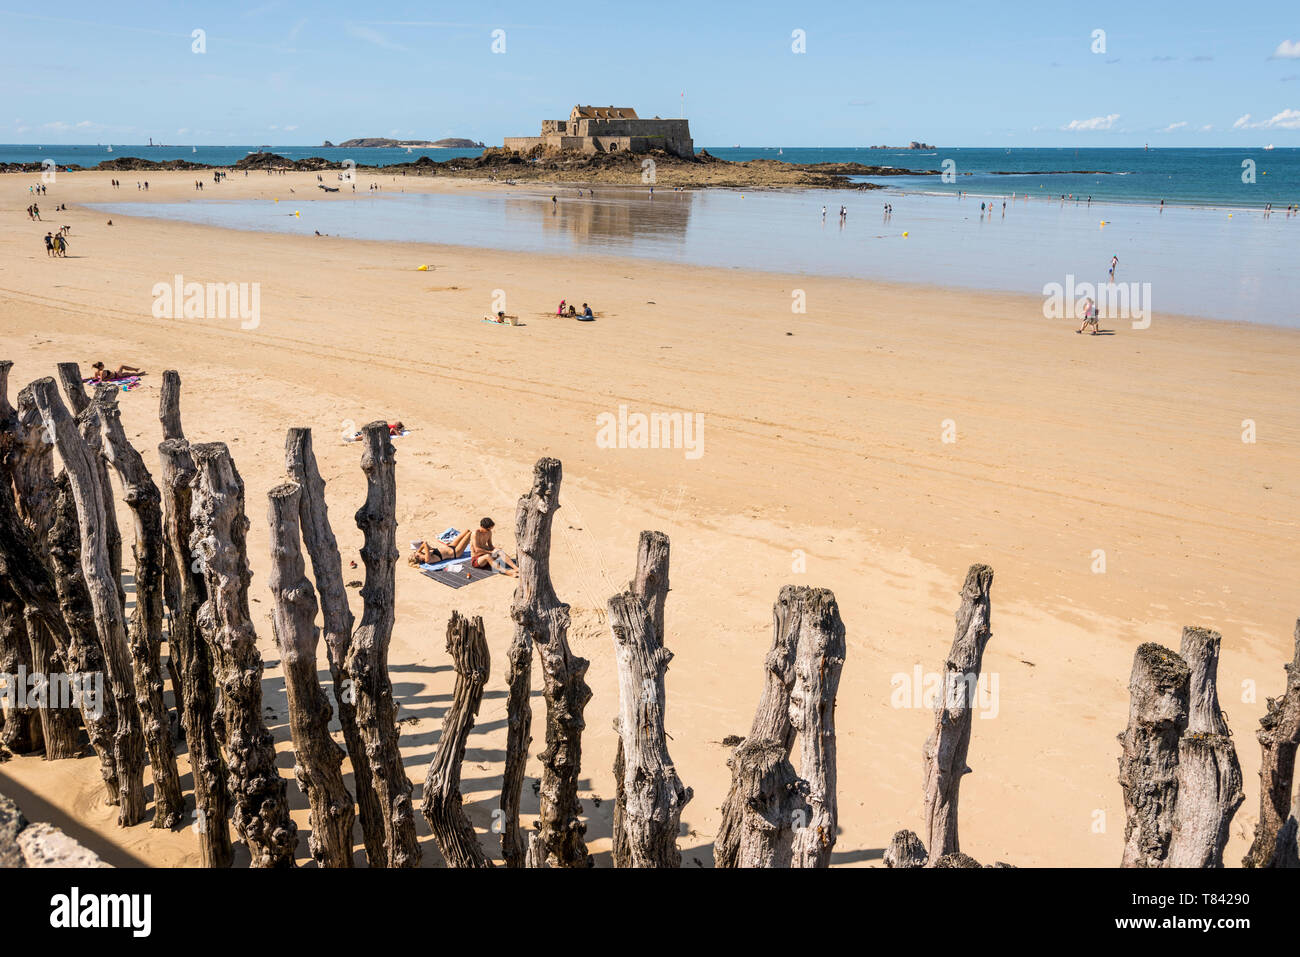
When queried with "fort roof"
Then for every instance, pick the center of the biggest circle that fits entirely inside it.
(603, 113)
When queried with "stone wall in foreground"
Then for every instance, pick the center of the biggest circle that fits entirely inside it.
(23, 844)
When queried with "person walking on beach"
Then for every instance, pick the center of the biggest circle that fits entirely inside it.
(1089, 317)
(49, 244)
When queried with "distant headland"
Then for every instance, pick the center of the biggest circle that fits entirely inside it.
(379, 142)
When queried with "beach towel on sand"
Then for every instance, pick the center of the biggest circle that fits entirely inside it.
(453, 572)
(126, 383)
(456, 574)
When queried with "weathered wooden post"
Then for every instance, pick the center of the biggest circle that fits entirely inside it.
(1148, 763)
(199, 712)
(1209, 775)
(767, 797)
(336, 618)
(73, 387)
(539, 612)
(85, 656)
(819, 658)
(654, 794)
(169, 406)
(946, 749)
(23, 732)
(650, 584)
(261, 810)
(905, 851)
(26, 466)
(1279, 736)
(748, 812)
(92, 501)
(317, 757)
(60, 721)
(367, 657)
(442, 806)
(87, 419)
(146, 627)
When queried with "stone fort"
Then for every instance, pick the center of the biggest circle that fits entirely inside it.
(609, 129)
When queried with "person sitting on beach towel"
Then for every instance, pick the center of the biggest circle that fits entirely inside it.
(107, 375)
(430, 553)
(483, 554)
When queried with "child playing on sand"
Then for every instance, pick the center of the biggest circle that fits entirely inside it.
(1089, 316)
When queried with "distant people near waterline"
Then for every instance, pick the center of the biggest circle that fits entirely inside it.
(1114, 264)
(823, 214)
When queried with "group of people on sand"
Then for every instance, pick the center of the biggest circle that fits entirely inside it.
(482, 552)
(56, 244)
(571, 312)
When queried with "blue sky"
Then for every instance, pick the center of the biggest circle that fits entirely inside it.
(286, 72)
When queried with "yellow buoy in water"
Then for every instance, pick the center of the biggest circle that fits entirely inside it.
(277, 200)
(1230, 215)
(422, 269)
(298, 214)
(904, 234)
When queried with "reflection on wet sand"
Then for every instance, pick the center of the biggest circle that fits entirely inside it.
(613, 217)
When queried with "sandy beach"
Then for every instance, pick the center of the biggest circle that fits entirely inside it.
(824, 462)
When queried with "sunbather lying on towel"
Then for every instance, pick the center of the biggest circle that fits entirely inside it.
(108, 375)
(483, 554)
(430, 553)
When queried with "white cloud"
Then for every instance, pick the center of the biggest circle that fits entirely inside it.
(1207, 127)
(373, 36)
(1095, 123)
(1287, 50)
(1286, 120)
(1174, 126)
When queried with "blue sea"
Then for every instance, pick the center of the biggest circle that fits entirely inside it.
(1198, 177)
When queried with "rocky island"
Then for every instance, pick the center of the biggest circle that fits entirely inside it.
(380, 142)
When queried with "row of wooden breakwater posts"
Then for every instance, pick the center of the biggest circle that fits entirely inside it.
(63, 610)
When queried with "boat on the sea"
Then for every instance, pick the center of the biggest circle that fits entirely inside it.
(1269, 146)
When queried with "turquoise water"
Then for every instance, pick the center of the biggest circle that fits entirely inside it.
(1197, 260)
(1178, 176)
